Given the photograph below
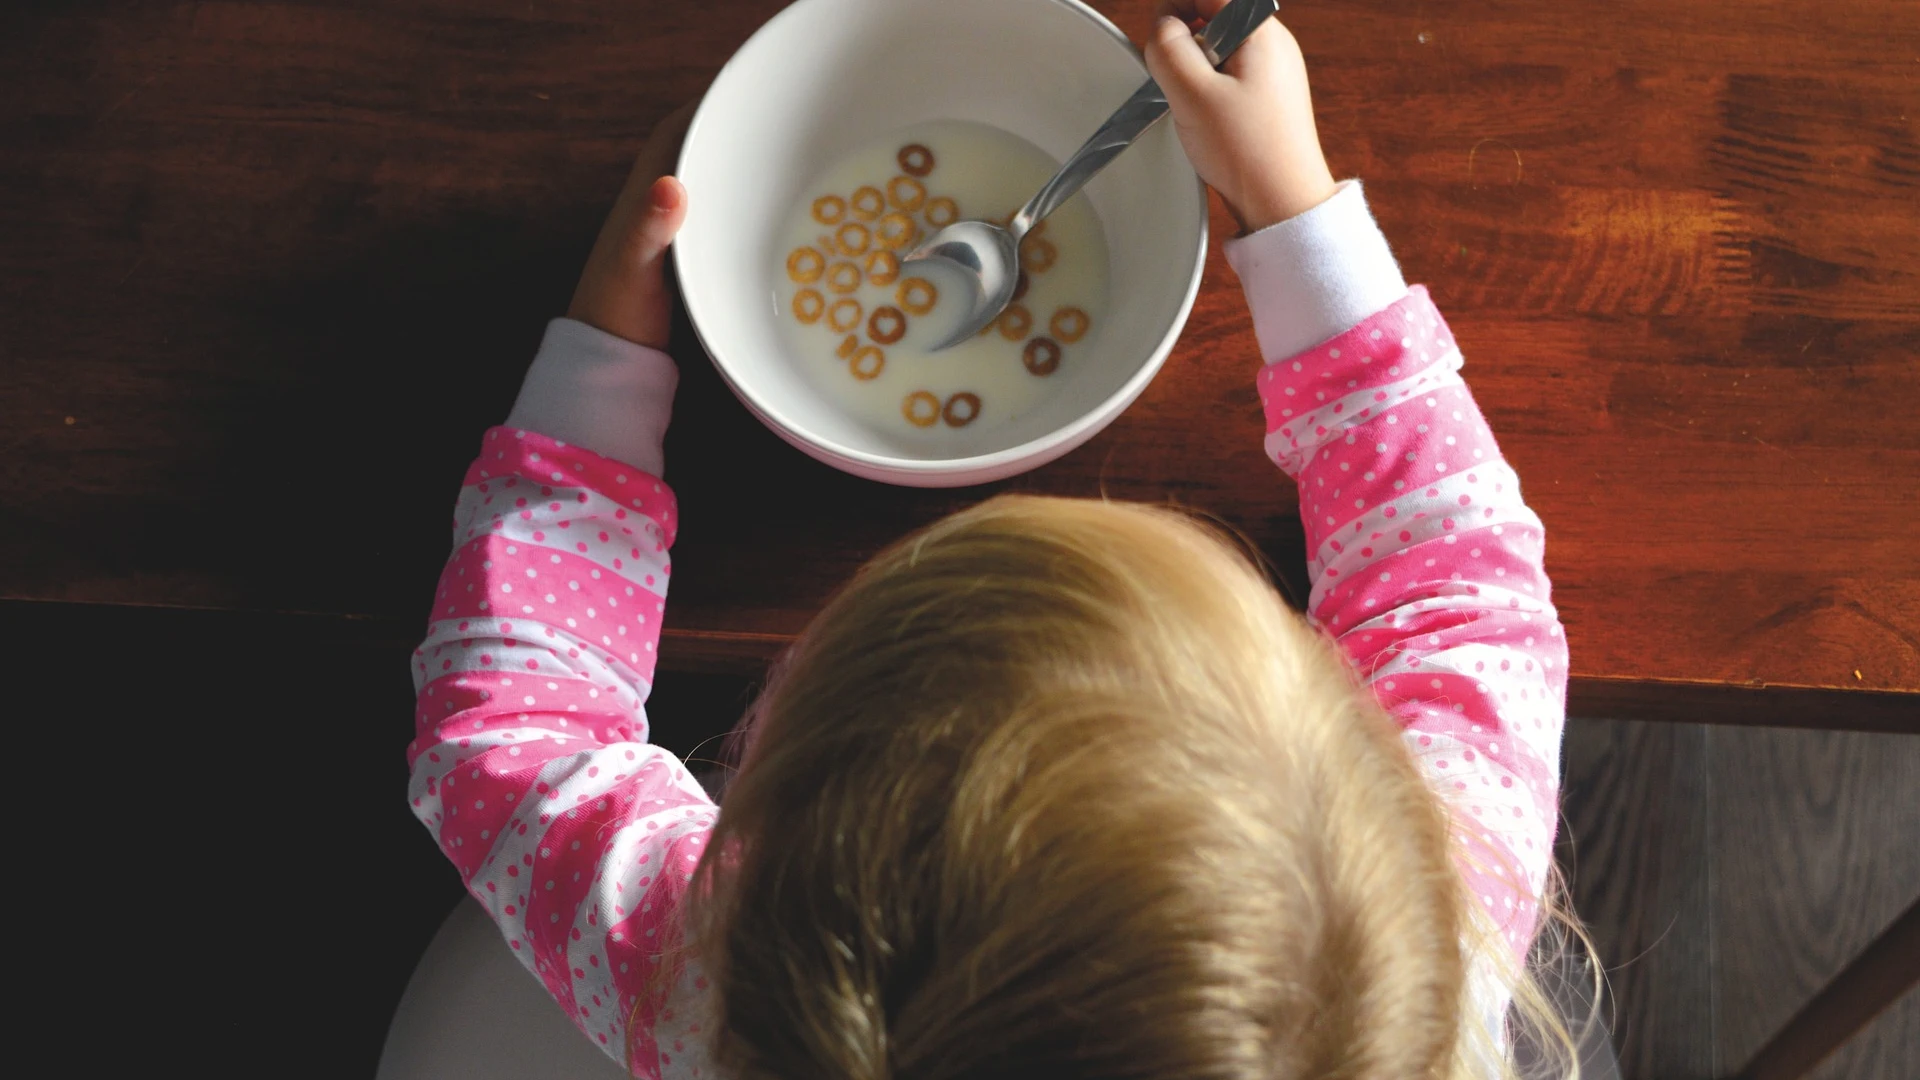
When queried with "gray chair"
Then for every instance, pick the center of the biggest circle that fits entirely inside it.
(471, 1012)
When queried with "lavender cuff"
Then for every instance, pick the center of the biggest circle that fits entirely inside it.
(1316, 275)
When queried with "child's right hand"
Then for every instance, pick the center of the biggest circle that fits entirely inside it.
(1248, 128)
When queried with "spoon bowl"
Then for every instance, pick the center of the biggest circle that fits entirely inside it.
(986, 259)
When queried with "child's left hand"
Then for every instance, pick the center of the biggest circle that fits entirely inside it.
(623, 289)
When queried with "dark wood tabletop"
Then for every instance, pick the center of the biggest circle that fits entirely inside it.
(251, 250)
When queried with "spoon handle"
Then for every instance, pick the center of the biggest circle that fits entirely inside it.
(1223, 36)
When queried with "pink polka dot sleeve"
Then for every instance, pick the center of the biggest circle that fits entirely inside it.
(530, 763)
(1428, 569)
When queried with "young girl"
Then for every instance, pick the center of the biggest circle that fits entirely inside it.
(1052, 788)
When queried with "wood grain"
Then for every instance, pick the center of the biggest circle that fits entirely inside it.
(1883, 972)
(1726, 873)
(1634, 849)
(253, 246)
(1813, 858)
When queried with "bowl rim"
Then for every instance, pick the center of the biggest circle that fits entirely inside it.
(1005, 462)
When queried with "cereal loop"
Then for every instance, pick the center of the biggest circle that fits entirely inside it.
(829, 209)
(845, 314)
(852, 239)
(868, 203)
(915, 160)
(962, 409)
(895, 231)
(806, 265)
(1014, 322)
(847, 345)
(809, 305)
(942, 212)
(883, 267)
(1070, 324)
(843, 278)
(1021, 285)
(917, 295)
(1038, 255)
(921, 409)
(867, 363)
(906, 193)
(1042, 356)
(887, 325)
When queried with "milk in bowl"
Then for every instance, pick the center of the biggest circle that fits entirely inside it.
(861, 324)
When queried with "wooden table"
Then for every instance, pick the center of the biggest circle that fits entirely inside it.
(1679, 244)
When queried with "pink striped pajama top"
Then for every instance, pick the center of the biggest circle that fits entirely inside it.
(531, 766)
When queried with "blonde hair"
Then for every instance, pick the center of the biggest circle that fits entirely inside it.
(1062, 788)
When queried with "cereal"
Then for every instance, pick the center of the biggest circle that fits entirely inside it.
(883, 267)
(906, 193)
(917, 295)
(806, 265)
(915, 160)
(1038, 254)
(921, 409)
(887, 325)
(1070, 324)
(829, 209)
(868, 203)
(867, 363)
(942, 212)
(1042, 356)
(852, 239)
(845, 314)
(895, 231)
(858, 307)
(843, 278)
(962, 409)
(1015, 321)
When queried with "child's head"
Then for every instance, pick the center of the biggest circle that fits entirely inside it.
(1062, 788)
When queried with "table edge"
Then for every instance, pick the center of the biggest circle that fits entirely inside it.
(745, 654)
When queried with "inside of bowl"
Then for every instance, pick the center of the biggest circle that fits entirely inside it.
(826, 77)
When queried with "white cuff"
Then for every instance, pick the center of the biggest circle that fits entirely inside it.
(1316, 275)
(591, 389)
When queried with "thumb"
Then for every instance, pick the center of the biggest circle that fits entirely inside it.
(664, 211)
(1176, 62)
(623, 289)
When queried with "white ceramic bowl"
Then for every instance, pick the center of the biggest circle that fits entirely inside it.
(825, 77)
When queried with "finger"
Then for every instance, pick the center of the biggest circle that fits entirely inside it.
(659, 222)
(657, 157)
(655, 160)
(1175, 61)
(1259, 53)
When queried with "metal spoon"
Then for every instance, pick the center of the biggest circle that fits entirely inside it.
(987, 257)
